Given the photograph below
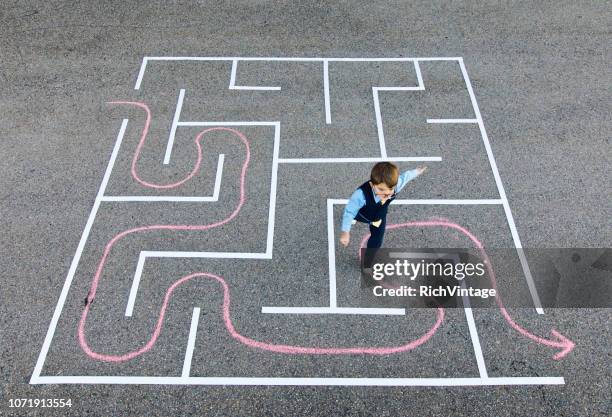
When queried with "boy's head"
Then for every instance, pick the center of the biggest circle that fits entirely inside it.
(385, 173)
(384, 178)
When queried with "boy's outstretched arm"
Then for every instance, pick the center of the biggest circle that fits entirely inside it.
(407, 176)
(355, 203)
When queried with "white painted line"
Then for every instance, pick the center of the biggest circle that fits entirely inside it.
(326, 91)
(221, 255)
(235, 59)
(446, 202)
(331, 251)
(177, 115)
(296, 59)
(418, 87)
(524, 264)
(457, 58)
(335, 310)
(432, 202)
(191, 342)
(388, 382)
(502, 193)
(143, 67)
(355, 160)
(438, 121)
(77, 256)
(233, 86)
(129, 309)
(233, 74)
(155, 198)
(377, 112)
(273, 181)
(417, 69)
(482, 368)
(392, 59)
(175, 199)
(217, 188)
(255, 88)
(415, 88)
(227, 123)
(379, 127)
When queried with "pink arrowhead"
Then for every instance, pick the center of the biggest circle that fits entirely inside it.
(564, 342)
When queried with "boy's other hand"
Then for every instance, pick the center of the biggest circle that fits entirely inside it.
(421, 169)
(344, 238)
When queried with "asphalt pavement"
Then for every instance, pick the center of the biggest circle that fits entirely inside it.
(539, 75)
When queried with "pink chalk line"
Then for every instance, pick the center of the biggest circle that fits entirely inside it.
(287, 349)
(561, 341)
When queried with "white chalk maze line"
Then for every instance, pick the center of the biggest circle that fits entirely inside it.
(333, 308)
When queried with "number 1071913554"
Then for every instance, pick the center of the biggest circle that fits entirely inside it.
(40, 402)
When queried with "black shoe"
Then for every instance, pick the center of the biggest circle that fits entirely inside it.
(367, 278)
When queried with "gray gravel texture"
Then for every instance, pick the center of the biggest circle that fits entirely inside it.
(541, 75)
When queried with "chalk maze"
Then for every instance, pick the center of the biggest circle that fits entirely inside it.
(234, 131)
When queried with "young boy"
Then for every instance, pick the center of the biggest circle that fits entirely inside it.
(369, 203)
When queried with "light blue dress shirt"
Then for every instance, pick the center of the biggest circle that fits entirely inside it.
(357, 200)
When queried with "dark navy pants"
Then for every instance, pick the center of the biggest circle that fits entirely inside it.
(375, 241)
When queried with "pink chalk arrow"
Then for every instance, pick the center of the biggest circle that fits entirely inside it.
(558, 340)
(564, 342)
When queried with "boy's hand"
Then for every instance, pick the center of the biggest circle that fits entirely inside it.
(344, 238)
(421, 169)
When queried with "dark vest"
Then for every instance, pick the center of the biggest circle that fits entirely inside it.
(372, 211)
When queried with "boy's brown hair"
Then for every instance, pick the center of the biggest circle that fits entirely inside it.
(385, 172)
